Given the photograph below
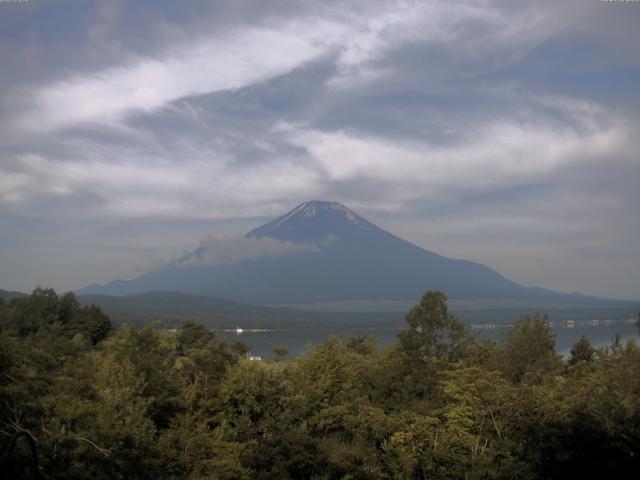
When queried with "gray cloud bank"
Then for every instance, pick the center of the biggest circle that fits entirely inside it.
(500, 132)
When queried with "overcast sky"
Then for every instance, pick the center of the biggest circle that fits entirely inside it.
(502, 132)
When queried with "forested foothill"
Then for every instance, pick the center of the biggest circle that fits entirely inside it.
(80, 399)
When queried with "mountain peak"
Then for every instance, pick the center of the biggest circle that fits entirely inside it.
(314, 221)
(314, 208)
(360, 261)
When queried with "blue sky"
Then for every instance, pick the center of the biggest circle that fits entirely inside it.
(501, 132)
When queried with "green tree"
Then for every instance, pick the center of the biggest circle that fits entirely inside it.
(530, 348)
(255, 402)
(44, 312)
(90, 321)
(432, 338)
(582, 351)
(281, 351)
(191, 448)
(289, 454)
(363, 345)
(193, 335)
(335, 383)
(201, 364)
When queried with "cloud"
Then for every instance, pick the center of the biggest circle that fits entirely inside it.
(467, 38)
(119, 183)
(229, 249)
(504, 153)
(228, 62)
(31, 175)
(243, 55)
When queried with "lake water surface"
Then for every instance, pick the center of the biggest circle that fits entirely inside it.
(261, 343)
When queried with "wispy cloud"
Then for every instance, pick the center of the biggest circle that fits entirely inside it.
(210, 65)
(236, 58)
(504, 153)
(229, 249)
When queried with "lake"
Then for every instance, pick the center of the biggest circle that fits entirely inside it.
(262, 342)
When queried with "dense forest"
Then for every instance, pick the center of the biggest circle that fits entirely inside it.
(80, 399)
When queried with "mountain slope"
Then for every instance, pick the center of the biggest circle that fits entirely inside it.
(7, 295)
(351, 259)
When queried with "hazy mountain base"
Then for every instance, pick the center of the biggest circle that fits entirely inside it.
(138, 404)
(171, 309)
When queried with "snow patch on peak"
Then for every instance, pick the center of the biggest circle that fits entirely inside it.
(313, 220)
(351, 217)
(337, 206)
(312, 208)
(310, 220)
(291, 214)
(347, 212)
(309, 211)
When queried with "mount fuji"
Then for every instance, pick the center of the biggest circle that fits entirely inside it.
(323, 251)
